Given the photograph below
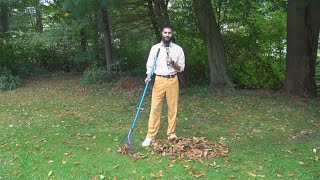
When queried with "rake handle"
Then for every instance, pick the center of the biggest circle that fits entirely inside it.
(144, 91)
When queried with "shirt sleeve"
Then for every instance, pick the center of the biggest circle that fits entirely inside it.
(181, 60)
(150, 60)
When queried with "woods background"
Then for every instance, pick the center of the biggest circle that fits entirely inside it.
(260, 44)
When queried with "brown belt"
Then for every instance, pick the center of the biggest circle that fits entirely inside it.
(167, 76)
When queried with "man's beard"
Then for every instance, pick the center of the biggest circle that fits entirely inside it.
(167, 40)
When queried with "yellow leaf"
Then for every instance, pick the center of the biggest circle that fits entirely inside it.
(15, 173)
(291, 175)
(50, 172)
(232, 177)
(301, 163)
(51, 161)
(250, 174)
(63, 162)
(158, 175)
(134, 171)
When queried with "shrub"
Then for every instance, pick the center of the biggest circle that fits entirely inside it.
(7, 80)
(95, 75)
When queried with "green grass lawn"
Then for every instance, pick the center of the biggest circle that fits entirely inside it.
(56, 128)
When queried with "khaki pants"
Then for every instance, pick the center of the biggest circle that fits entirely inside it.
(169, 88)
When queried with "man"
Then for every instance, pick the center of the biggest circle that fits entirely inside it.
(170, 61)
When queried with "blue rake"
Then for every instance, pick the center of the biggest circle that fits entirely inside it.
(128, 140)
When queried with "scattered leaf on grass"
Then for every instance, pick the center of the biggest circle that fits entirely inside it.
(134, 171)
(250, 174)
(315, 158)
(301, 163)
(50, 172)
(291, 175)
(232, 177)
(15, 173)
(157, 175)
(63, 162)
(51, 161)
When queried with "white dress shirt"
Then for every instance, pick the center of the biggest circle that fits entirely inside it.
(176, 54)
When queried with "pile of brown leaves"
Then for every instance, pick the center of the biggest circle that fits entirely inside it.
(190, 148)
(182, 148)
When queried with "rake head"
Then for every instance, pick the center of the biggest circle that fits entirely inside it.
(127, 145)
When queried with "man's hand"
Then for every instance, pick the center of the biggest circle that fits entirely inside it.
(174, 65)
(147, 79)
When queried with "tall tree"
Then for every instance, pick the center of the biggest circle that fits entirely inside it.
(303, 24)
(158, 14)
(213, 43)
(81, 8)
(107, 42)
(39, 16)
(4, 17)
(39, 21)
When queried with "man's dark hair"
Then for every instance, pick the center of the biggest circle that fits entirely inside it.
(166, 26)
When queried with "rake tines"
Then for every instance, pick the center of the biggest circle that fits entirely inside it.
(127, 145)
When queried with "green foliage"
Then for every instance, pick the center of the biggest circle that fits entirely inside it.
(7, 80)
(95, 75)
(255, 45)
(30, 54)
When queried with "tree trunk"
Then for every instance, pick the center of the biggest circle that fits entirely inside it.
(84, 41)
(302, 43)
(107, 43)
(4, 18)
(158, 14)
(96, 37)
(213, 44)
(154, 21)
(39, 22)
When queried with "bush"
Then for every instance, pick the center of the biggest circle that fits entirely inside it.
(95, 75)
(7, 80)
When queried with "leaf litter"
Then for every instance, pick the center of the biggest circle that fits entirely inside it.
(183, 148)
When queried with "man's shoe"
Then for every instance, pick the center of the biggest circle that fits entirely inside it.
(172, 137)
(147, 142)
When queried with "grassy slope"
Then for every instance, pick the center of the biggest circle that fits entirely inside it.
(57, 129)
